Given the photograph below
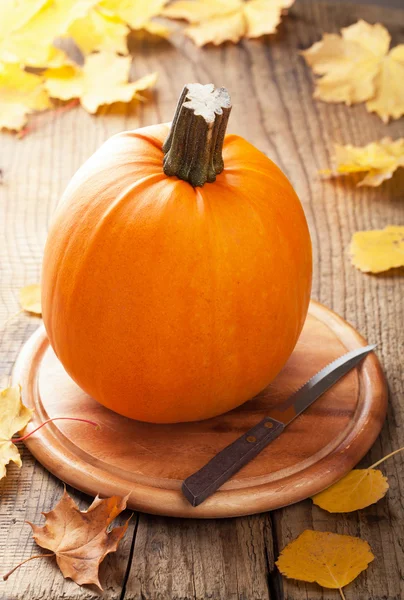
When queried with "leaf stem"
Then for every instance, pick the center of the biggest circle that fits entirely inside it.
(54, 112)
(386, 457)
(7, 575)
(342, 594)
(27, 435)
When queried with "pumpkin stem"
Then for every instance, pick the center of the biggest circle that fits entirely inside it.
(193, 148)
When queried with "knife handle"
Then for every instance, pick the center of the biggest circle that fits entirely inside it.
(197, 487)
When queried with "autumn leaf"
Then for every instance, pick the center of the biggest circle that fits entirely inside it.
(31, 43)
(99, 30)
(21, 93)
(31, 55)
(14, 16)
(329, 559)
(217, 21)
(14, 416)
(80, 540)
(380, 159)
(378, 250)
(27, 36)
(358, 489)
(156, 29)
(105, 26)
(102, 80)
(30, 298)
(136, 13)
(357, 66)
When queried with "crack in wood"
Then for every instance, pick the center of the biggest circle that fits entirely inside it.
(130, 559)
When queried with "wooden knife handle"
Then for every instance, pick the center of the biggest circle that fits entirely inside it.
(220, 468)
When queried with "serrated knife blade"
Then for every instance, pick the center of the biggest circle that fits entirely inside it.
(202, 484)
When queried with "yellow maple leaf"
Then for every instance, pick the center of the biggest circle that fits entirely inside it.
(378, 250)
(357, 67)
(31, 43)
(156, 29)
(99, 30)
(359, 489)
(20, 94)
(136, 13)
(30, 298)
(381, 159)
(217, 21)
(14, 416)
(329, 559)
(102, 80)
(14, 14)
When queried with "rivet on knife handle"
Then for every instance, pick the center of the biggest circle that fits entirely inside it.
(207, 480)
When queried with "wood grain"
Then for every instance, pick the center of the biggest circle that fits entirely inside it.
(151, 461)
(233, 558)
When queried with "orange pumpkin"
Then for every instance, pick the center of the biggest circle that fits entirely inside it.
(177, 293)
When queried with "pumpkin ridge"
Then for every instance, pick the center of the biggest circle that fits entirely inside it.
(155, 142)
(54, 287)
(103, 222)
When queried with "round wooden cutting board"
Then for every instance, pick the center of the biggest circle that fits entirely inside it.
(150, 461)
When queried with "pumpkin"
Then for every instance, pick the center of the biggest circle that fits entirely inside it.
(177, 271)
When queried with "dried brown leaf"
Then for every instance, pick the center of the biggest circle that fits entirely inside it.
(80, 539)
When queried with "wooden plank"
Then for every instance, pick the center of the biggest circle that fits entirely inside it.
(189, 559)
(271, 89)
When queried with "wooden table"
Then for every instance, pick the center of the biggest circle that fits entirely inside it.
(167, 558)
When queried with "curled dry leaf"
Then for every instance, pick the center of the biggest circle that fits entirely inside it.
(30, 299)
(14, 416)
(80, 539)
(378, 250)
(357, 66)
(21, 93)
(217, 21)
(358, 489)
(380, 159)
(102, 80)
(329, 559)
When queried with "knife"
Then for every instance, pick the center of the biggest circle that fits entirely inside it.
(203, 483)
